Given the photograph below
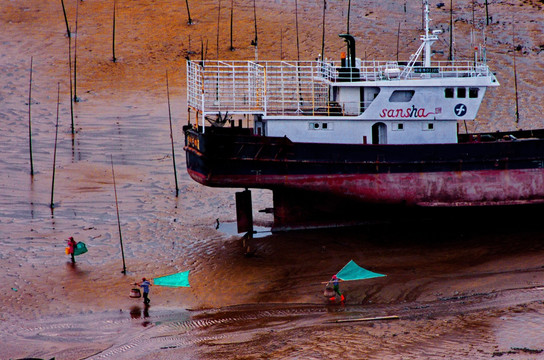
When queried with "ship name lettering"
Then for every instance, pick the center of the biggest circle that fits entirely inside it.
(411, 112)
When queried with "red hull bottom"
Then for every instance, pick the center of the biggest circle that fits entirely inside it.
(310, 201)
(468, 188)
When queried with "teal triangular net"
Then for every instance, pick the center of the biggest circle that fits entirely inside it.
(352, 271)
(175, 280)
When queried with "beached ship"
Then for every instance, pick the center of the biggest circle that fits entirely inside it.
(340, 141)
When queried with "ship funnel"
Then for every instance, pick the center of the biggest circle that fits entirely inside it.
(350, 40)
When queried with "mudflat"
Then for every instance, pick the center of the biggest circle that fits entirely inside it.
(459, 291)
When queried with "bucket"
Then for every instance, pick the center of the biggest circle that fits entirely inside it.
(135, 293)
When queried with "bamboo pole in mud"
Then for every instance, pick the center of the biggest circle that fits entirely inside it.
(30, 119)
(113, 35)
(281, 43)
(218, 23)
(323, 34)
(296, 27)
(171, 134)
(231, 21)
(450, 56)
(255, 42)
(473, 21)
(65, 19)
(75, 55)
(52, 205)
(70, 66)
(515, 71)
(398, 40)
(118, 220)
(298, 57)
(486, 14)
(188, 13)
(423, 15)
(349, 10)
(201, 52)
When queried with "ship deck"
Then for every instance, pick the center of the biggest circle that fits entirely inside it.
(294, 88)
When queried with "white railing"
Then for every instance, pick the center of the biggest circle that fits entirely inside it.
(387, 70)
(246, 87)
(291, 87)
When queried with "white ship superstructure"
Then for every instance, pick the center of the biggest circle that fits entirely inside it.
(351, 101)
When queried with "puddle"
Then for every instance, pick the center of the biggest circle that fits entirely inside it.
(521, 331)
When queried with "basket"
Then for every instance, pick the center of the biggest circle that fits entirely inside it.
(329, 291)
(135, 293)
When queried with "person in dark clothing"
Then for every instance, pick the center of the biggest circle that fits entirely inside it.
(145, 284)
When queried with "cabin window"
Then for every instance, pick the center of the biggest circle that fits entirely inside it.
(473, 93)
(448, 93)
(401, 96)
(319, 126)
(461, 92)
(398, 126)
(428, 126)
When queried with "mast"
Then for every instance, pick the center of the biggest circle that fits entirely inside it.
(427, 39)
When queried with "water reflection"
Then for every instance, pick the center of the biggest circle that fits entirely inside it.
(230, 228)
(136, 313)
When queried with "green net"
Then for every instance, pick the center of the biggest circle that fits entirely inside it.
(80, 248)
(175, 280)
(352, 271)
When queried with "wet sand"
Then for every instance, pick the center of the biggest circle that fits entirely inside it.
(460, 292)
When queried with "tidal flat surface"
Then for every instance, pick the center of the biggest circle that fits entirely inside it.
(459, 292)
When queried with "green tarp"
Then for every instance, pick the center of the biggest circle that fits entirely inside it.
(175, 280)
(352, 271)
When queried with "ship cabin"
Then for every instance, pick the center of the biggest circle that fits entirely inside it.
(349, 101)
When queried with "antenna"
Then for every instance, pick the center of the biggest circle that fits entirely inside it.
(427, 39)
(425, 47)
